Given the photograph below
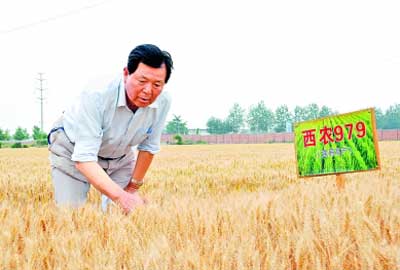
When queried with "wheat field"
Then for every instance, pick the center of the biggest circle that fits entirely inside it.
(211, 207)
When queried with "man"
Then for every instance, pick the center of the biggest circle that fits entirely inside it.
(91, 144)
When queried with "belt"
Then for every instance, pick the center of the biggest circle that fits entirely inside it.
(51, 131)
(107, 158)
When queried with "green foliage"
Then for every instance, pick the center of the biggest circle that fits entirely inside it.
(5, 135)
(178, 139)
(380, 118)
(216, 126)
(312, 111)
(177, 125)
(282, 118)
(325, 111)
(38, 134)
(260, 118)
(300, 114)
(391, 118)
(19, 145)
(16, 145)
(232, 124)
(21, 134)
(235, 120)
(42, 142)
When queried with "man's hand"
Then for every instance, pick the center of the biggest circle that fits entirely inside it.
(128, 201)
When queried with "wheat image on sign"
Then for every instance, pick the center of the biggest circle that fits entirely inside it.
(337, 144)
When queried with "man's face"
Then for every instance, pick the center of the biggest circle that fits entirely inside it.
(144, 85)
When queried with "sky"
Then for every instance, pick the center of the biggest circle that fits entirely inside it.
(342, 54)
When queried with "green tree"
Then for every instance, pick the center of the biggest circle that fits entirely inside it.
(216, 126)
(177, 126)
(178, 139)
(5, 135)
(312, 111)
(380, 118)
(300, 114)
(235, 120)
(325, 111)
(282, 118)
(260, 118)
(37, 134)
(392, 117)
(21, 134)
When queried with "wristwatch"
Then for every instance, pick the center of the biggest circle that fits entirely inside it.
(137, 183)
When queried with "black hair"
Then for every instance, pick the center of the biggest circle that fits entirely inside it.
(150, 55)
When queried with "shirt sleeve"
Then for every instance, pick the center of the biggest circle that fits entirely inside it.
(88, 127)
(152, 142)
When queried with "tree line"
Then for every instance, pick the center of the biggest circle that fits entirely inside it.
(260, 119)
(21, 134)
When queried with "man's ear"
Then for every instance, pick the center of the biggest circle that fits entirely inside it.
(126, 71)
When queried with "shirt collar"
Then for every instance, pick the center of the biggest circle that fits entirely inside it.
(121, 94)
(122, 97)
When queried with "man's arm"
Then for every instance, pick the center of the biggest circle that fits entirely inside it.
(99, 179)
(143, 162)
(102, 182)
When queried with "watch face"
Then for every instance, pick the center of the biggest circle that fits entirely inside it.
(137, 182)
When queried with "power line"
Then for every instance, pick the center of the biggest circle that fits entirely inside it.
(52, 18)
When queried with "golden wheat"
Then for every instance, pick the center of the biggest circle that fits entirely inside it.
(212, 207)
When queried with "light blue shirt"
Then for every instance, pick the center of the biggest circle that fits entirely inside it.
(101, 124)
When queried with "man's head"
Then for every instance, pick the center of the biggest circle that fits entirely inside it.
(147, 72)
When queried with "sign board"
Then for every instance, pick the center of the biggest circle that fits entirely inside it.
(337, 144)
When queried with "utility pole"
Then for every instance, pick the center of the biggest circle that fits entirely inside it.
(41, 98)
